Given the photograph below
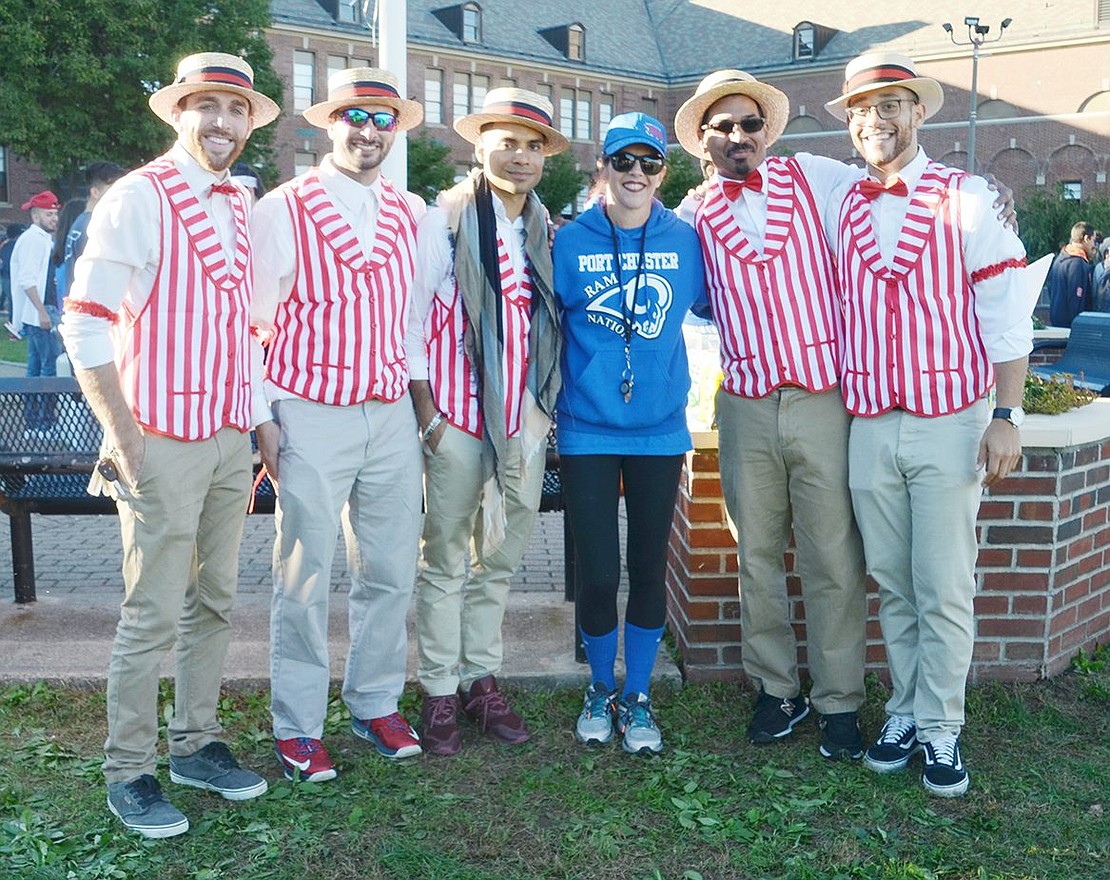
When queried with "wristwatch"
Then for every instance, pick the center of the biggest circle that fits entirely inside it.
(1014, 415)
(426, 434)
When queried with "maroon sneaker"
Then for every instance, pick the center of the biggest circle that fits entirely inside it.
(486, 705)
(439, 728)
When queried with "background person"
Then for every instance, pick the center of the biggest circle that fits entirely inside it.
(1070, 277)
(626, 273)
(157, 325)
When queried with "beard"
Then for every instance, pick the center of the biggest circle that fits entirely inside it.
(217, 161)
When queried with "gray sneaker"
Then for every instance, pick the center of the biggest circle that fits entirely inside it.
(215, 769)
(140, 805)
(595, 724)
(636, 723)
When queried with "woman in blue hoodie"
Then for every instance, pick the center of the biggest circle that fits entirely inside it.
(626, 273)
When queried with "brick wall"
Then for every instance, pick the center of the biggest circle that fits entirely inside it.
(1043, 574)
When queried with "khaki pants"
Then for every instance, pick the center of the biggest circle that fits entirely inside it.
(916, 492)
(458, 617)
(181, 532)
(784, 463)
(359, 465)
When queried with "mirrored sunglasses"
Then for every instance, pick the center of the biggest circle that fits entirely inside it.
(748, 125)
(623, 162)
(356, 118)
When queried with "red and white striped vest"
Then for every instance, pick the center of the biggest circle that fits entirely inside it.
(776, 312)
(184, 359)
(911, 337)
(453, 381)
(339, 338)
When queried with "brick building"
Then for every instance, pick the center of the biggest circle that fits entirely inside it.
(1044, 88)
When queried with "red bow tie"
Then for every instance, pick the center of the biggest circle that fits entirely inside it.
(733, 188)
(228, 189)
(871, 189)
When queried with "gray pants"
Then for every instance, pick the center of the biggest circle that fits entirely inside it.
(359, 465)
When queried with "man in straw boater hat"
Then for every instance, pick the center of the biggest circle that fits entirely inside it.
(336, 259)
(783, 426)
(484, 400)
(934, 316)
(157, 325)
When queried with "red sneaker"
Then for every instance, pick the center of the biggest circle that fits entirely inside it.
(391, 735)
(486, 705)
(304, 759)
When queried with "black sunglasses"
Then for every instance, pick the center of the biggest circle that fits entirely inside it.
(623, 162)
(748, 125)
(357, 118)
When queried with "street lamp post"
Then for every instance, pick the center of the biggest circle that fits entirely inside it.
(976, 37)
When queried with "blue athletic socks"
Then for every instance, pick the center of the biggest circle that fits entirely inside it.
(640, 647)
(601, 652)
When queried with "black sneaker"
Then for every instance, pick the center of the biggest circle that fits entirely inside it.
(840, 736)
(776, 717)
(945, 774)
(897, 743)
(214, 768)
(140, 805)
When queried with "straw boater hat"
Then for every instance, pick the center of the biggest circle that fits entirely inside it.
(359, 87)
(688, 121)
(213, 72)
(518, 107)
(880, 70)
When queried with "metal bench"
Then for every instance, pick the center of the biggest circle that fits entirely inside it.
(48, 473)
(1086, 355)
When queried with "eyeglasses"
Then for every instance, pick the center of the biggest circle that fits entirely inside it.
(748, 125)
(889, 108)
(623, 162)
(357, 118)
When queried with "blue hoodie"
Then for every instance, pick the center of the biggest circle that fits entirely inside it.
(592, 416)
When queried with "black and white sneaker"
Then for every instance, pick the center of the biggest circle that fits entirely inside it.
(945, 774)
(897, 743)
(840, 736)
(776, 717)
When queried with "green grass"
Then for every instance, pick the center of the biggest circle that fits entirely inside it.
(14, 350)
(712, 806)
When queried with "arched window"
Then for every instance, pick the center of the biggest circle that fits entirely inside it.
(472, 23)
(576, 42)
(805, 35)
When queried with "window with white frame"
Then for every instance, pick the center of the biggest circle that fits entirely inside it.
(1072, 190)
(576, 42)
(4, 198)
(604, 114)
(433, 96)
(347, 12)
(469, 93)
(575, 114)
(336, 63)
(304, 79)
(804, 36)
(472, 23)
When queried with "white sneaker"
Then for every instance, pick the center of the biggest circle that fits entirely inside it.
(636, 723)
(595, 724)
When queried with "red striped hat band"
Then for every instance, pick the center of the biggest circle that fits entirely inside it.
(516, 108)
(227, 76)
(363, 90)
(887, 73)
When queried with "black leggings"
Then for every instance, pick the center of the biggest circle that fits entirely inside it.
(591, 491)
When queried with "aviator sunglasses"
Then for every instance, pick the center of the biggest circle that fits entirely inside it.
(357, 118)
(748, 125)
(623, 162)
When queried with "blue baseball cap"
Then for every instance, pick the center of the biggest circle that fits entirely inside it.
(627, 129)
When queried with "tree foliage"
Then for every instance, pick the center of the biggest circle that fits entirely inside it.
(430, 168)
(683, 174)
(562, 181)
(1046, 219)
(75, 75)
